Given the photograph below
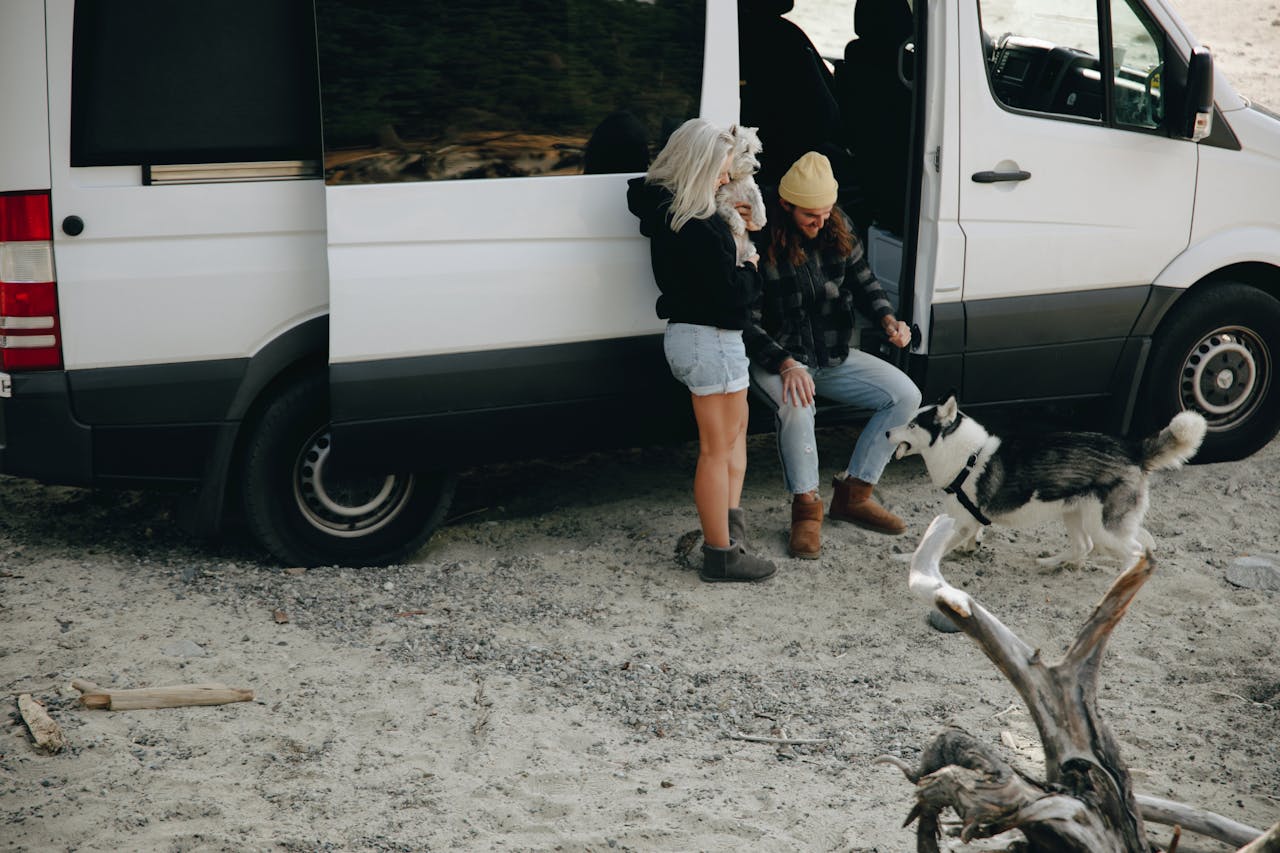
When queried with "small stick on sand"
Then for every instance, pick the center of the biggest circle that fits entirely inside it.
(44, 731)
(1242, 699)
(789, 741)
(179, 696)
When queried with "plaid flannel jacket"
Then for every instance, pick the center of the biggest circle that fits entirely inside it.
(807, 312)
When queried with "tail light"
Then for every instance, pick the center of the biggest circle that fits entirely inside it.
(30, 338)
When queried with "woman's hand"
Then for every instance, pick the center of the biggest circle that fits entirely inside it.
(797, 384)
(899, 332)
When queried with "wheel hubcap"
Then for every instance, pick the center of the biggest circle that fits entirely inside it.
(345, 507)
(1225, 376)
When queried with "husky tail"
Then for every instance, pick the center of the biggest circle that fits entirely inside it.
(1175, 444)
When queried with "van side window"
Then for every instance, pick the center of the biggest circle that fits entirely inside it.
(1048, 56)
(155, 82)
(1042, 55)
(435, 90)
(1137, 45)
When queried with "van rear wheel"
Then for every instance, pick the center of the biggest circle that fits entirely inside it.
(1216, 354)
(306, 515)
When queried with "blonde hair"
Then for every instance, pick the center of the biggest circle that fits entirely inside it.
(688, 166)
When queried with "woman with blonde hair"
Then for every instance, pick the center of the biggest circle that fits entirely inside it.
(706, 299)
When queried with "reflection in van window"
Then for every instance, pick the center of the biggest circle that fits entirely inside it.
(155, 82)
(1042, 55)
(429, 91)
(1138, 47)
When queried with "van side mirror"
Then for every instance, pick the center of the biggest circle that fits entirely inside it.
(1198, 107)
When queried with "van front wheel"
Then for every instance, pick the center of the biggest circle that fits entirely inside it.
(305, 515)
(1216, 354)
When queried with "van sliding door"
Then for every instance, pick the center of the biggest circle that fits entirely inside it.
(489, 291)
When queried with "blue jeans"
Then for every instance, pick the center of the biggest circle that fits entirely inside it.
(864, 381)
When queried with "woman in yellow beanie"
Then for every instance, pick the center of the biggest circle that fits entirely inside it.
(815, 276)
(706, 299)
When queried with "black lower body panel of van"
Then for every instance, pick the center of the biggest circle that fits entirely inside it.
(150, 425)
(1073, 347)
(39, 436)
(454, 410)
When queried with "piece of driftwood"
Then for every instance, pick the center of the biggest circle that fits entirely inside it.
(1195, 820)
(1269, 842)
(44, 731)
(178, 696)
(1086, 804)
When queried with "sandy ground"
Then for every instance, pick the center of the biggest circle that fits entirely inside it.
(548, 674)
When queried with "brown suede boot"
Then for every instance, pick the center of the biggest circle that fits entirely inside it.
(806, 526)
(853, 503)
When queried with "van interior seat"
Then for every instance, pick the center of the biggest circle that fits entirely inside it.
(787, 90)
(875, 107)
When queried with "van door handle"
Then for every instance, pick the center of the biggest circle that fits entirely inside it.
(997, 177)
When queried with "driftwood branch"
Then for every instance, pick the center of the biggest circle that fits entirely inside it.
(1266, 843)
(183, 695)
(1196, 820)
(44, 731)
(1087, 801)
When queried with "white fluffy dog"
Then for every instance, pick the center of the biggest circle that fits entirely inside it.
(742, 189)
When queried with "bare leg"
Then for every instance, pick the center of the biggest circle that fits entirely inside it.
(719, 418)
(738, 458)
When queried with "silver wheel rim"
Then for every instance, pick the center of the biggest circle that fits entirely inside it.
(351, 507)
(1225, 376)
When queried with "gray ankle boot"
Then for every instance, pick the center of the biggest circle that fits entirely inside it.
(738, 526)
(733, 564)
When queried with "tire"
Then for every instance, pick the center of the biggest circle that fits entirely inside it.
(1216, 354)
(305, 517)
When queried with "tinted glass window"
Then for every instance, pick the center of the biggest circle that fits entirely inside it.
(423, 91)
(1138, 48)
(157, 82)
(1043, 55)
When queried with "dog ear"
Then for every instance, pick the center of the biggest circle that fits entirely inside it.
(947, 409)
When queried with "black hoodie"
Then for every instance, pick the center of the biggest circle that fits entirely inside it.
(696, 267)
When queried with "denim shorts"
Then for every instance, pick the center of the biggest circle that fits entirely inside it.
(706, 359)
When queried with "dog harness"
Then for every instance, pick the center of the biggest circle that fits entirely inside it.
(954, 489)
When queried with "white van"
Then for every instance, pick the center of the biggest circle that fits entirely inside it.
(229, 267)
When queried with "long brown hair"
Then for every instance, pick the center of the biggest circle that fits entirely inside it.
(787, 242)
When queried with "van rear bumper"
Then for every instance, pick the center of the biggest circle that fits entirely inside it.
(39, 436)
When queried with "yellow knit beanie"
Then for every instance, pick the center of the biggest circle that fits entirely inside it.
(809, 182)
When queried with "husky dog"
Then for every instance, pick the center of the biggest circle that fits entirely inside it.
(1094, 483)
(742, 188)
